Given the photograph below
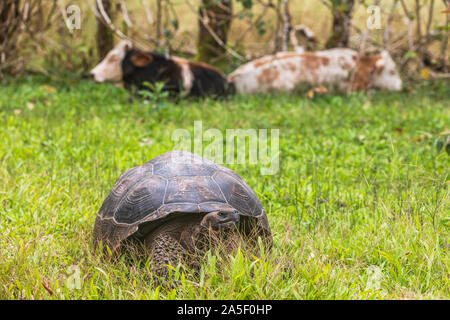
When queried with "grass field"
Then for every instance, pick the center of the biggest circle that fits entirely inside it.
(359, 208)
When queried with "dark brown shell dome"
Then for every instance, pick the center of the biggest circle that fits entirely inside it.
(174, 182)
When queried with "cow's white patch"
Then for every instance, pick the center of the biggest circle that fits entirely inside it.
(110, 68)
(187, 78)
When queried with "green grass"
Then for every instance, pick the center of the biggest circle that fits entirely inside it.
(359, 208)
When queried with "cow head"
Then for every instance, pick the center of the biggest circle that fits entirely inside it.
(123, 63)
(110, 68)
(385, 75)
(138, 65)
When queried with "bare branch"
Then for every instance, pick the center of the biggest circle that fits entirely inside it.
(409, 26)
(148, 13)
(388, 25)
(327, 4)
(126, 17)
(102, 14)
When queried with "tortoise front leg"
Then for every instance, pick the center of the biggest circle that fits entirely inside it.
(165, 250)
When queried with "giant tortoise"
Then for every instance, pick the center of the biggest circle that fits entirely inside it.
(171, 201)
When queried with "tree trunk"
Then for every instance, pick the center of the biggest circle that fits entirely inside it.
(9, 22)
(214, 23)
(443, 51)
(104, 36)
(286, 25)
(342, 18)
(9, 13)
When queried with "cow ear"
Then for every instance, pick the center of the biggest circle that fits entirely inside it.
(141, 59)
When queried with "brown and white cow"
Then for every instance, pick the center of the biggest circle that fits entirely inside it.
(340, 68)
(133, 67)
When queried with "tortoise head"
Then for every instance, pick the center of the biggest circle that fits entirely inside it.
(221, 220)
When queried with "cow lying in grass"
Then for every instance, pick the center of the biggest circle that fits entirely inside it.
(339, 68)
(134, 67)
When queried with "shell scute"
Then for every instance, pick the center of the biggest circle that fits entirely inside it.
(193, 190)
(175, 169)
(125, 182)
(238, 193)
(142, 200)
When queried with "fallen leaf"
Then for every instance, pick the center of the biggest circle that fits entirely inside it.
(366, 105)
(425, 73)
(321, 89)
(146, 142)
(421, 138)
(48, 88)
(45, 285)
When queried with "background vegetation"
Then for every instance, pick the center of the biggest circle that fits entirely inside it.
(414, 31)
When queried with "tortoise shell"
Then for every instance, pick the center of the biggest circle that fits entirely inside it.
(174, 182)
